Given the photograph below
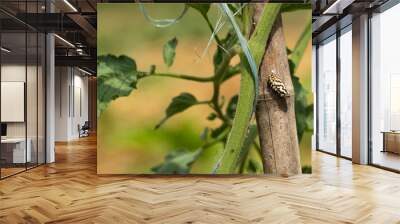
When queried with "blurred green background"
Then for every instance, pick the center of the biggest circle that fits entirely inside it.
(127, 141)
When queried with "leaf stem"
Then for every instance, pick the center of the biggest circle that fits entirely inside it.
(215, 141)
(219, 73)
(204, 102)
(212, 29)
(231, 71)
(178, 76)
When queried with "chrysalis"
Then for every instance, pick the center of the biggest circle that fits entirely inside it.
(277, 85)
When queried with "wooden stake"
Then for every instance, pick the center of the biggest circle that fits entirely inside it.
(275, 115)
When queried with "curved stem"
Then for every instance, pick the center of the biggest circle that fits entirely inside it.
(232, 71)
(219, 73)
(236, 137)
(215, 141)
(220, 138)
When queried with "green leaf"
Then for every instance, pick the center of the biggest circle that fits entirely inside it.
(235, 7)
(288, 51)
(169, 51)
(292, 66)
(254, 167)
(117, 76)
(231, 108)
(217, 131)
(211, 116)
(201, 7)
(304, 111)
(178, 104)
(177, 162)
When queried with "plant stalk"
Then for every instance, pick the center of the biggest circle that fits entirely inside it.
(229, 160)
(211, 29)
(178, 76)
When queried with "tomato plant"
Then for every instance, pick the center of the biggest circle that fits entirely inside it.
(118, 76)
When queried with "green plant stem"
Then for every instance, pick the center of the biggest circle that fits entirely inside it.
(178, 76)
(212, 29)
(216, 140)
(203, 102)
(301, 45)
(258, 40)
(220, 71)
(246, 21)
(230, 72)
(240, 123)
(244, 109)
(244, 153)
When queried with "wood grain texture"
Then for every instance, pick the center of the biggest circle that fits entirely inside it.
(276, 119)
(70, 191)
